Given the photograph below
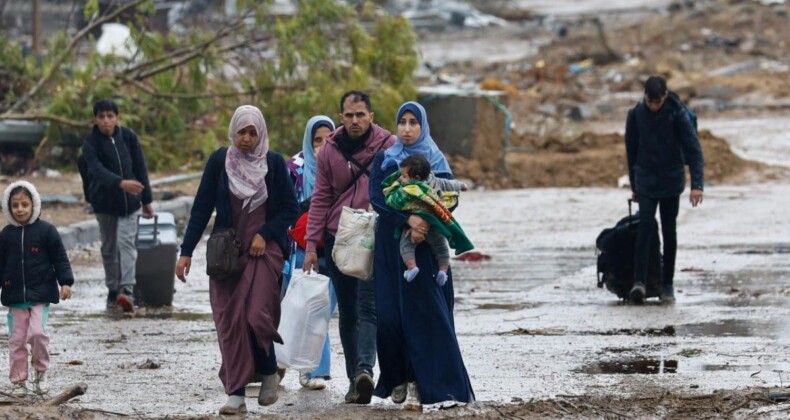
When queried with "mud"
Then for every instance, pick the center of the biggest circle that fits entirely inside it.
(538, 337)
(531, 323)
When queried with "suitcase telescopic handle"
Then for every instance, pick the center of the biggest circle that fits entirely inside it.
(156, 228)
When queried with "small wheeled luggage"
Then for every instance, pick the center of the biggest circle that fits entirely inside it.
(157, 252)
(616, 258)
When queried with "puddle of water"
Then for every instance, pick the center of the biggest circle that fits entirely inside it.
(712, 281)
(728, 328)
(505, 306)
(723, 328)
(661, 366)
(776, 367)
(668, 331)
(536, 331)
(617, 350)
(771, 251)
(503, 283)
(644, 366)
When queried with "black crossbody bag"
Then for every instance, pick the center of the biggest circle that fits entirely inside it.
(223, 249)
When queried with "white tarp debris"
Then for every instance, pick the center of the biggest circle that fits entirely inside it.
(428, 13)
(116, 39)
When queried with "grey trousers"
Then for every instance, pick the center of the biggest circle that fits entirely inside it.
(437, 242)
(118, 249)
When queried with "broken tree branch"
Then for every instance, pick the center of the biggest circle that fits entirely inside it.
(68, 394)
(153, 92)
(14, 397)
(134, 72)
(197, 52)
(45, 117)
(56, 63)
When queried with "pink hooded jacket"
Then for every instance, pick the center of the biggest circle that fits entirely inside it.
(333, 174)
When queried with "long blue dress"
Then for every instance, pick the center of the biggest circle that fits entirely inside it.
(416, 332)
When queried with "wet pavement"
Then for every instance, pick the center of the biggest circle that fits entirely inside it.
(531, 321)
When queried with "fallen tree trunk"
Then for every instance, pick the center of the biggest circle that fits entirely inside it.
(68, 394)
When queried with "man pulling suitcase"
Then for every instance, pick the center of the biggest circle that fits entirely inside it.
(660, 140)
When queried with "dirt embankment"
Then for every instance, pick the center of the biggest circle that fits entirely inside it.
(720, 56)
(597, 160)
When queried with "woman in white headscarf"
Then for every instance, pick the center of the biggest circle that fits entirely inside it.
(246, 308)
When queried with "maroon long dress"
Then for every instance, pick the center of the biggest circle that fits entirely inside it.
(247, 306)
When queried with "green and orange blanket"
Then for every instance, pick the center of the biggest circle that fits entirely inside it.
(419, 198)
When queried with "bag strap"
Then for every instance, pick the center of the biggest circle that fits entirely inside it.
(363, 169)
(245, 211)
(350, 159)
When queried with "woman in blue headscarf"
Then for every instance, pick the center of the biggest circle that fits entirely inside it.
(419, 356)
(302, 167)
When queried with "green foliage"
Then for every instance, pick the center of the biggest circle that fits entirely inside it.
(179, 92)
(91, 9)
(336, 52)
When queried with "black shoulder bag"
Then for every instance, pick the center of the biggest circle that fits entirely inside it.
(223, 249)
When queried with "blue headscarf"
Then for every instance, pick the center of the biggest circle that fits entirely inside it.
(308, 177)
(424, 145)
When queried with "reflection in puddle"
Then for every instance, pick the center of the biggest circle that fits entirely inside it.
(767, 251)
(505, 306)
(646, 366)
(668, 331)
(723, 328)
(661, 366)
(778, 367)
(745, 280)
(728, 328)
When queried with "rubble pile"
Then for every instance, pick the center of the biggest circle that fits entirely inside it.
(722, 57)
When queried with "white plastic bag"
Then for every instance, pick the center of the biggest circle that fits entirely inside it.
(354, 243)
(304, 321)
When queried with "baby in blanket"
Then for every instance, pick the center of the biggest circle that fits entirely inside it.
(415, 189)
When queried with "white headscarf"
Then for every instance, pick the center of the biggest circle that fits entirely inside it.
(247, 171)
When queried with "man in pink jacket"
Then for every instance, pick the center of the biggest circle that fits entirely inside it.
(343, 168)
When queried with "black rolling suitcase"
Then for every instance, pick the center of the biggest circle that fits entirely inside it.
(616, 258)
(157, 252)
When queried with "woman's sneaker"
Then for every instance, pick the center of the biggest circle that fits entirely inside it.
(315, 384)
(413, 398)
(40, 383)
(19, 390)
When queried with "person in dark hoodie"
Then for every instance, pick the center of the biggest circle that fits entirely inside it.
(33, 262)
(117, 188)
(660, 140)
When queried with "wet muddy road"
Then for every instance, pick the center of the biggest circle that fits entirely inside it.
(531, 321)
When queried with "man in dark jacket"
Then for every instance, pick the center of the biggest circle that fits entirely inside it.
(660, 140)
(117, 188)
